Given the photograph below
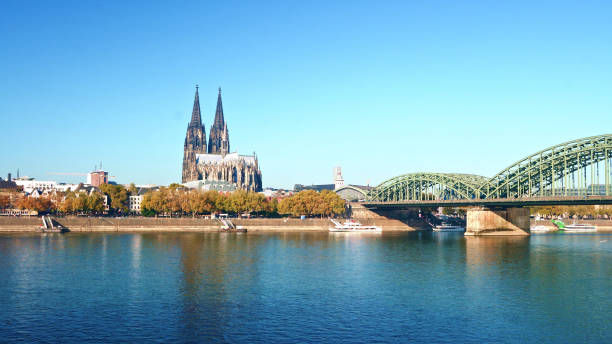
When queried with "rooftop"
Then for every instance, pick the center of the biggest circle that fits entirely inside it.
(218, 159)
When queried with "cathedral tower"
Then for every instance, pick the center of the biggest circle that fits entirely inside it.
(216, 168)
(195, 142)
(219, 137)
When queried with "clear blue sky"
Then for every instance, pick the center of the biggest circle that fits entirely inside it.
(379, 88)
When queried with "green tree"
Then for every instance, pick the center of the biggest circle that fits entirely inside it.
(272, 207)
(173, 201)
(65, 206)
(147, 206)
(4, 201)
(189, 202)
(95, 202)
(79, 204)
(312, 203)
(256, 203)
(118, 196)
(40, 204)
(222, 203)
(237, 202)
(210, 204)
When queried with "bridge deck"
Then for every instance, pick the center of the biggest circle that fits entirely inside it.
(494, 202)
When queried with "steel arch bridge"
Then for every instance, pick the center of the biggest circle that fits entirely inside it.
(576, 168)
(429, 186)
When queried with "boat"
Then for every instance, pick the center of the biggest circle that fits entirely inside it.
(580, 228)
(352, 226)
(575, 227)
(445, 227)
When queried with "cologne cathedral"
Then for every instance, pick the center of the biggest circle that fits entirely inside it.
(215, 162)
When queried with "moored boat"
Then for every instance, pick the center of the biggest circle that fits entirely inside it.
(575, 227)
(352, 226)
(445, 227)
(580, 228)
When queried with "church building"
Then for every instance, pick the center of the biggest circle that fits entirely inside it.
(215, 162)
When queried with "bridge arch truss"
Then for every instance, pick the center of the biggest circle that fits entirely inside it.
(576, 168)
(429, 186)
(580, 167)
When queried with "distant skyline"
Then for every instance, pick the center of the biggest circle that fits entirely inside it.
(380, 89)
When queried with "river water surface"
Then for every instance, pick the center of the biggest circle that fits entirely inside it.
(305, 287)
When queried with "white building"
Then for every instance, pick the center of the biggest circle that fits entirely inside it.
(143, 186)
(63, 187)
(134, 203)
(29, 184)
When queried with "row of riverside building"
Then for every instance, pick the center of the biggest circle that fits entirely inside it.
(30, 187)
(207, 165)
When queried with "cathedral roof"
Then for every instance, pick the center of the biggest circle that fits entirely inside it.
(218, 159)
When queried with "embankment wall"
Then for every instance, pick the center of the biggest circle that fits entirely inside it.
(144, 224)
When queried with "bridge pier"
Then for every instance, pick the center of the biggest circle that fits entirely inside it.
(501, 221)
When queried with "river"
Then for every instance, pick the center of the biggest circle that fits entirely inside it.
(305, 287)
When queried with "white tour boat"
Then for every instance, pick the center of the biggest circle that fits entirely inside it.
(352, 226)
(575, 227)
(580, 228)
(445, 227)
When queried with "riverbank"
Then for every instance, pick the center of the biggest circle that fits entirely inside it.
(147, 224)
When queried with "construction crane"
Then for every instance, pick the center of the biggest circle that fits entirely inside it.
(78, 174)
(67, 174)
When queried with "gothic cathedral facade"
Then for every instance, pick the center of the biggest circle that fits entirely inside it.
(215, 162)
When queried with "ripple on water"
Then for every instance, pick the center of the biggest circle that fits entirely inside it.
(304, 287)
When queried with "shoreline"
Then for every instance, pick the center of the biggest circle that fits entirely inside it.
(31, 224)
(147, 225)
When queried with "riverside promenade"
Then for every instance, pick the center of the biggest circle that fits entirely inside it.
(184, 224)
(12, 224)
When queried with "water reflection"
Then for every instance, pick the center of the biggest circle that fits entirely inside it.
(216, 271)
(136, 250)
(288, 287)
(495, 250)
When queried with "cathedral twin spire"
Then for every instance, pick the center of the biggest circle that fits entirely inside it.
(241, 171)
(196, 117)
(218, 140)
(195, 141)
(219, 136)
(219, 120)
